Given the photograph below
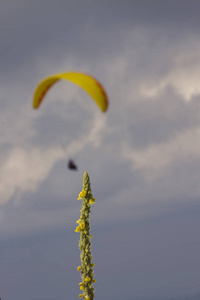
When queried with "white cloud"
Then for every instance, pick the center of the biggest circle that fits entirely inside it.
(98, 130)
(183, 75)
(156, 159)
(23, 170)
(24, 167)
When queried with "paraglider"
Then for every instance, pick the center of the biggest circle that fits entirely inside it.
(85, 81)
(71, 165)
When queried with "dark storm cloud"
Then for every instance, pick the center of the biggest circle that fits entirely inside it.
(90, 29)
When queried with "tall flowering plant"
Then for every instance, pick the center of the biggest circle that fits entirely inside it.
(86, 267)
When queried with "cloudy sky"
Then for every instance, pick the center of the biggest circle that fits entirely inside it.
(142, 155)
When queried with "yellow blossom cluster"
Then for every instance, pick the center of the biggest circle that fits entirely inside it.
(86, 296)
(86, 268)
(82, 194)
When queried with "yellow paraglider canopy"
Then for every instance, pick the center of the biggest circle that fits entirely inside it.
(87, 82)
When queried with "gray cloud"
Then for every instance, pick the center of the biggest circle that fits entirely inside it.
(89, 30)
(142, 155)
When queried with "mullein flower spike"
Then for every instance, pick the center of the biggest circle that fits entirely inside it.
(86, 268)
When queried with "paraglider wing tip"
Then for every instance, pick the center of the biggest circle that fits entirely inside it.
(107, 105)
(35, 106)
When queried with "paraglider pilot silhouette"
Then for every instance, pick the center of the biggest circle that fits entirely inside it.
(71, 165)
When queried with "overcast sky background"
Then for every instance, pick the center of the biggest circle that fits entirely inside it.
(142, 155)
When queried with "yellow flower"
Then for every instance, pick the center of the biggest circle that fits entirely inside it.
(78, 229)
(92, 201)
(82, 225)
(94, 280)
(93, 265)
(79, 268)
(80, 296)
(87, 297)
(87, 279)
(78, 221)
(82, 194)
(82, 285)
